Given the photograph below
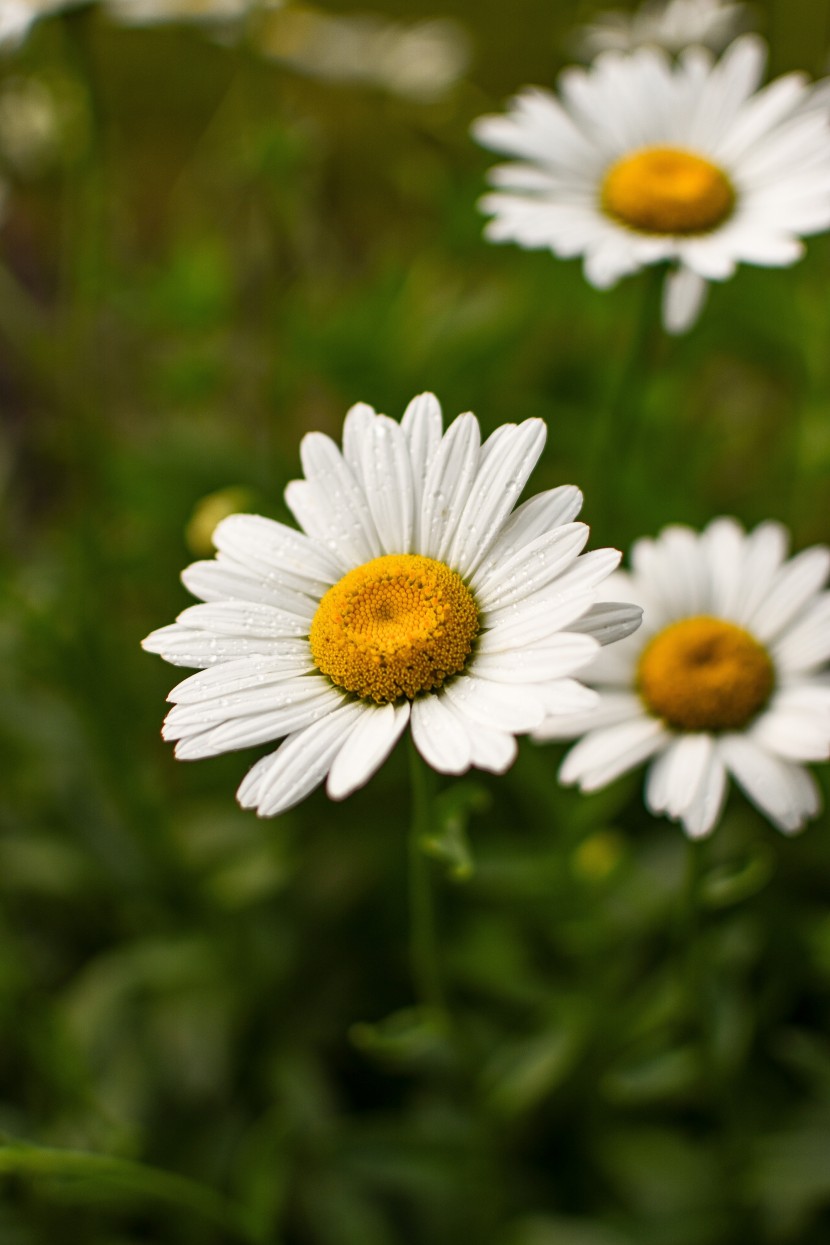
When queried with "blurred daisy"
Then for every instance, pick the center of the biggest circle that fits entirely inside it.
(414, 594)
(421, 61)
(156, 12)
(642, 160)
(673, 25)
(18, 16)
(728, 675)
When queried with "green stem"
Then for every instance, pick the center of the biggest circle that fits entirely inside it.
(423, 939)
(618, 426)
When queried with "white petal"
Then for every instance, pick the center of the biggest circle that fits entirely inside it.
(448, 483)
(187, 718)
(531, 519)
(533, 567)
(702, 814)
(387, 477)
(806, 644)
(440, 736)
(357, 427)
(245, 618)
(609, 621)
(562, 655)
(498, 484)
(372, 738)
(612, 709)
(496, 705)
(565, 697)
(684, 293)
(223, 581)
(608, 752)
(330, 504)
(796, 582)
(229, 677)
(421, 426)
(783, 791)
(793, 733)
(187, 646)
(278, 553)
(258, 729)
(300, 764)
(674, 779)
(532, 624)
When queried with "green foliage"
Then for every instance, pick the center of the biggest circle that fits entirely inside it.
(209, 1028)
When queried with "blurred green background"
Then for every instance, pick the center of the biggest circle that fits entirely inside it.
(209, 1030)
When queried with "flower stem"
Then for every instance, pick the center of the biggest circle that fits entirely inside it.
(426, 973)
(618, 427)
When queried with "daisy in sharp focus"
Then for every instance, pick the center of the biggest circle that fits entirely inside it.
(414, 593)
(728, 675)
(669, 24)
(642, 160)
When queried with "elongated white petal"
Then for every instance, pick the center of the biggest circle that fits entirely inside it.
(684, 294)
(609, 621)
(244, 618)
(387, 478)
(357, 427)
(186, 646)
(784, 791)
(220, 581)
(562, 655)
(703, 812)
(278, 782)
(421, 426)
(531, 568)
(533, 518)
(440, 736)
(531, 623)
(447, 484)
(289, 693)
(372, 738)
(278, 553)
(229, 677)
(611, 751)
(498, 484)
(496, 705)
(258, 728)
(613, 708)
(675, 777)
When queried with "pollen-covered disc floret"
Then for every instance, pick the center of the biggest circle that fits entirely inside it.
(704, 674)
(727, 676)
(400, 625)
(641, 159)
(417, 593)
(664, 190)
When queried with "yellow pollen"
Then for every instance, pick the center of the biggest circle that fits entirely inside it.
(396, 626)
(704, 674)
(664, 190)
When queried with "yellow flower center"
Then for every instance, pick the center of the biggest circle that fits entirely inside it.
(396, 626)
(665, 190)
(703, 674)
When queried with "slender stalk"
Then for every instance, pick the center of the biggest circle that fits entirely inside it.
(426, 974)
(617, 428)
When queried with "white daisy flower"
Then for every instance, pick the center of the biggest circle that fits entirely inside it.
(728, 675)
(642, 160)
(414, 593)
(673, 25)
(18, 16)
(157, 12)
